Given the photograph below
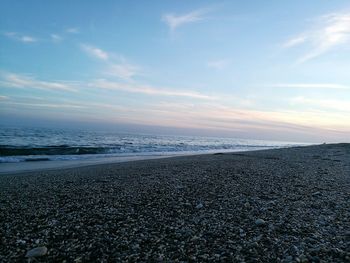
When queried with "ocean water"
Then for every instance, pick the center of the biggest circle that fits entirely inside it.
(43, 144)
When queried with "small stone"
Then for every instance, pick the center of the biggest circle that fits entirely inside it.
(136, 247)
(260, 222)
(258, 238)
(36, 252)
(288, 259)
(241, 233)
(315, 259)
(303, 258)
(21, 241)
(195, 238)
(199, 206)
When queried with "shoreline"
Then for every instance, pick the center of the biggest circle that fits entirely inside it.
(280, 205)
(33, 166)
(41, 166)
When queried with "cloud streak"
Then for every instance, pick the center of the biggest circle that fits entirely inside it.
(217, 117)
(175, 21)
(56, 38)
(45, 105)
(22, 81)
(332, 86)
(117, 65)
(72, 30)
(22, 38)
(332, 31)
(95, 52)
(123, 70)
(149, 90)
(322, 104)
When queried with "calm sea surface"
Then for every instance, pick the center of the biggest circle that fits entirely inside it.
(31, 144)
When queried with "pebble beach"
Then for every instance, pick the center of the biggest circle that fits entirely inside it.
(281, 205)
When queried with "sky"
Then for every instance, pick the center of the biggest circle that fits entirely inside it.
(276, 70)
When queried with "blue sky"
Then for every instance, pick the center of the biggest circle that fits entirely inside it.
(253, 69)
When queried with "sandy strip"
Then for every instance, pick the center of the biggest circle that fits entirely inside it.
(285, 205)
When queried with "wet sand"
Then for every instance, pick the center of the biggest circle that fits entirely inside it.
(285, 205)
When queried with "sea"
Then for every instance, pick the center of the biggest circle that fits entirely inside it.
(48, 144)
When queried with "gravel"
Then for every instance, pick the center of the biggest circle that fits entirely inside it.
(285, 205)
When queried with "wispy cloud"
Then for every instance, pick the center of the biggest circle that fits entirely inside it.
(117, 65)
(27, 39)
(330, 32)
(20, 37)
(175, 21)
(218, 64)
(46, 105)
(95, 52)
(310, 86)
(295, 41)
(145, 89)
(72, 30)
(23, 81)
(123, 70)
(56, 38)
(322, 104)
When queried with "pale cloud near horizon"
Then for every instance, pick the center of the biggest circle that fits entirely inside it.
(320, 113)
(322, 104)
(46, 105)
(205, 112)
(310, 86)
(174, 21)
(40, 102)
(280, 118)
(24, 81)
(147, 89)
(94, 52)
(20, 37)
(220, 117)
(329, 32)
